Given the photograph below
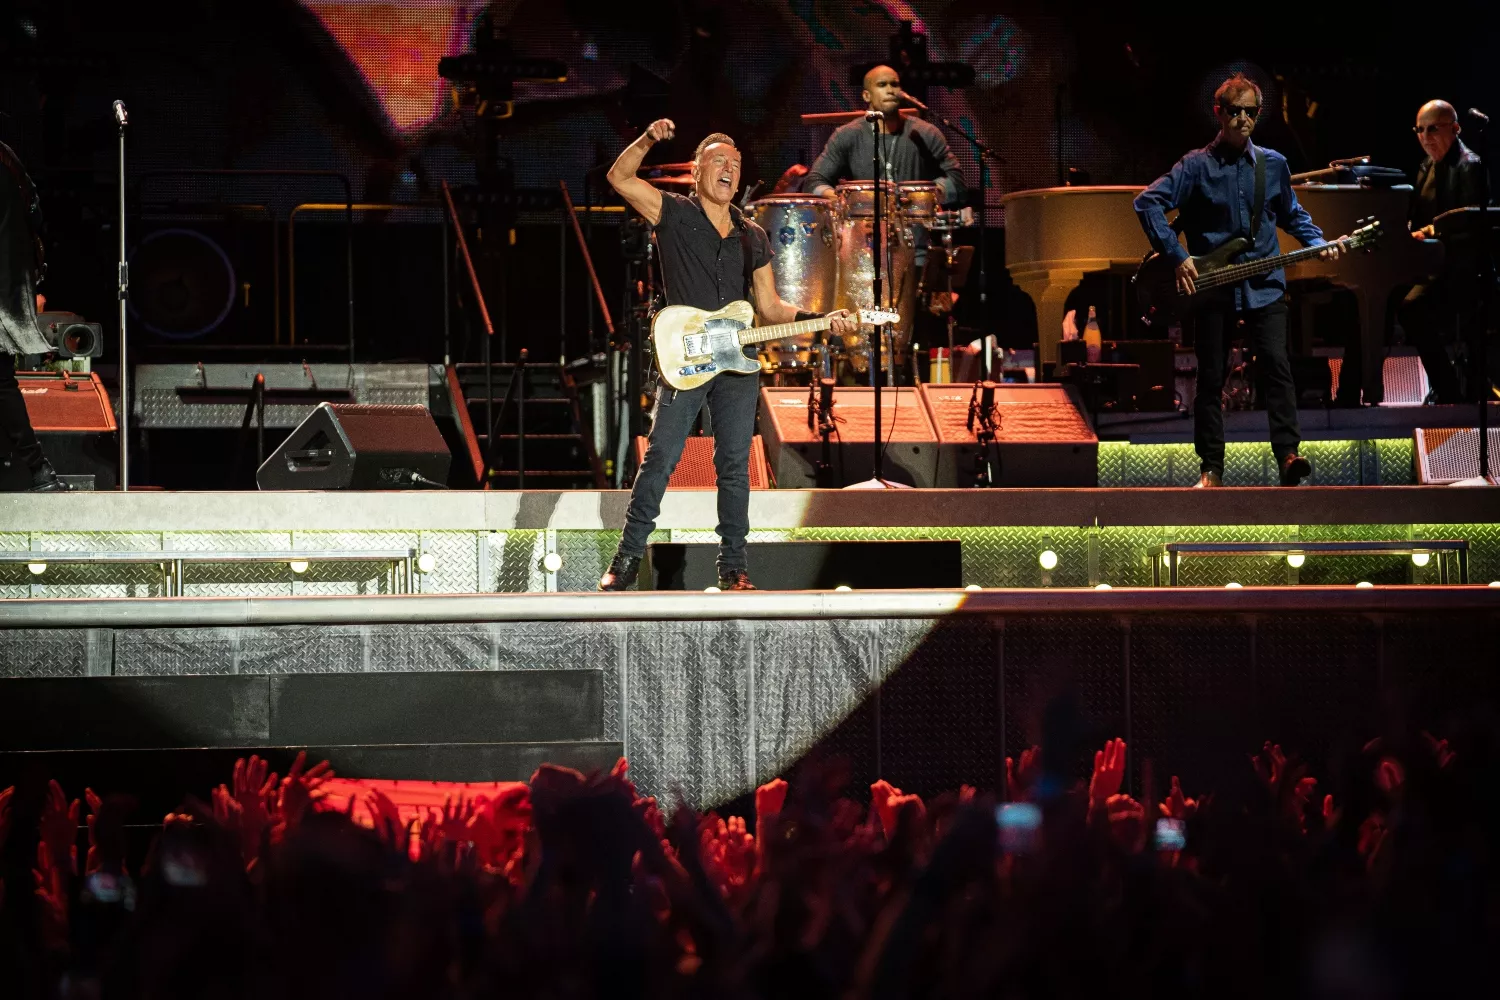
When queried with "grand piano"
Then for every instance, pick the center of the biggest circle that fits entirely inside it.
(1054, 236)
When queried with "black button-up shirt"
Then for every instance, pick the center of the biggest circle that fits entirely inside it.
(699, 267)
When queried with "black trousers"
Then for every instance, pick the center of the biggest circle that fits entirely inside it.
(17, 439)
(1264, 332)
(732, 401)
(1428, 314)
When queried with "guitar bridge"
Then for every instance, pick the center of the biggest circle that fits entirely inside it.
(707, 366)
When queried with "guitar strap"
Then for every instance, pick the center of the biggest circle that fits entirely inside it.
(1260, 193)
(747, 247)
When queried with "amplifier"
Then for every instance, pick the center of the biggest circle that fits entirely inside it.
(352, 446)
(75, 423)
(695, 469)
(793, 449)
(1044, 438)
(1447, 455)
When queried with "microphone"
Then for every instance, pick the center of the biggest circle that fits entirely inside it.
(1479, 116)
(120, 112)
(874, 116)
(914, 102)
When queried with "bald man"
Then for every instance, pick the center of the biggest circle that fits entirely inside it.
(1450, 177)
(910, 149)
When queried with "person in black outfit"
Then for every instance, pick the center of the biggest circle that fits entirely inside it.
(1450, 177)
(20, 265)
(704, 242)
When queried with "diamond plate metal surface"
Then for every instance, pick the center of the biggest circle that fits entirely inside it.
(305, 649)
(1216, 571)
(233, 579)
(812, 683)
(1317, 683)
(1192, 699)
(940, 706)
(158, 405)
(366, 577)
(1397, 461)
(1337, 570)
(1004, 556)
(457, 567)
(1334, 463)
(1080, 659)
(516, 561)
(1484, 546)
(176, 652)
(454, 646)
(687, 696)
(38, 652)
(1124, 554)
(98, 581)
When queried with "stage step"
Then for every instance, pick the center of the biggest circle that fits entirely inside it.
(559, 445)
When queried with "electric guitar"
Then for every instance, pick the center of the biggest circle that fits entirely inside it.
(695, 345)
(1155, 281)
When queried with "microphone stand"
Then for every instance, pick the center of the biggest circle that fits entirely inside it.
(822, 391)
(982, 405)
(876, 251)
(986, 154)
(1486, 294)
(123, 292)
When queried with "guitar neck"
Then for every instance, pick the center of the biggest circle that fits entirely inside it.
(1235, 273)
(761, 334)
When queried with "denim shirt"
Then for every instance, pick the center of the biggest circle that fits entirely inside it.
(1214, 190)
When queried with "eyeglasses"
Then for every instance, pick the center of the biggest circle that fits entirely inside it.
(1433, 129)
(1233, 111)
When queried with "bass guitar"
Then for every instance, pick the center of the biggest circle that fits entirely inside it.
(693, 346)
(1155, 281)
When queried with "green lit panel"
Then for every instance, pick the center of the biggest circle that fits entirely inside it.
(1216, 571)
(1124, 555)
(1397, 458)
(1003, 556)
(1484, 546)
(1334, 463)
(1387, 462)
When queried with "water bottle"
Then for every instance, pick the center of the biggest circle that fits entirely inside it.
(1093, 340)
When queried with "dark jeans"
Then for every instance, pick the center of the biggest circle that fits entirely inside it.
(731, 405)
(1264, 332)
(17, 439)
(1428, 314)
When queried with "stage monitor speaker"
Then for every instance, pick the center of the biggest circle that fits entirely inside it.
(1448, 455)
(356, 446)
(794, 450)
(75, 423)
(695, 469)
(1044, 439)
(861, 565)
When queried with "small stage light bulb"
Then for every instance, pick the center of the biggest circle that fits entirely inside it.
(1231, 585)
(843, 586)
(1495, 584)
(551, 562)
(1048, 559)
(712, 590)
(298, 565)
(1364, 585)
(37, 568)
(1295, 560)
(973, 586)
(1420, 558)
(426, 562)
(1103, 586)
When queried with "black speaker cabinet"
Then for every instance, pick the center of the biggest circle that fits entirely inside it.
(354, 446)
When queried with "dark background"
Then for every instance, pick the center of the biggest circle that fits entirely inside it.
(1117, 91)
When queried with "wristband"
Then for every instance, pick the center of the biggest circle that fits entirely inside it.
(803, 315)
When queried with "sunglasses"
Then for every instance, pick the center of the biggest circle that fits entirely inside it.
(1233, 111)
(1430, 129)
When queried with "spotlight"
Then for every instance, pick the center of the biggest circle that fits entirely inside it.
(712, 590)
(37, 568)
(1048, 559)
(1103, 586)
(426, 562)
(1231, 585)
(551, 562)
(1364, 585)
(843, 586)
(298, 566)
(1295, 560)
(973, 586)
(1420, 558)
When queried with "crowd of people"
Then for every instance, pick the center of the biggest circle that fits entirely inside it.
(1377, 880)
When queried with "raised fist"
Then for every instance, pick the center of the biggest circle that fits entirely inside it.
(661, 129)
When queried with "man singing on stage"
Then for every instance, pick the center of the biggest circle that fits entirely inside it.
(711, 255)
(1230, 188)
(910, 149)
(20, 228)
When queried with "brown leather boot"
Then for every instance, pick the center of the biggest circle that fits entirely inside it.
(1294, 469)
(1207, 479)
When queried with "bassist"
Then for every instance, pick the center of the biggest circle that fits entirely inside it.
(711, 255)
(1234, 188)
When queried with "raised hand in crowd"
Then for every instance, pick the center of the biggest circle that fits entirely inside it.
(1021, 776)
(1109, 774)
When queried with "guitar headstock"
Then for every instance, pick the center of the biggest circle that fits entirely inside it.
(877, 317)
(1366, 235)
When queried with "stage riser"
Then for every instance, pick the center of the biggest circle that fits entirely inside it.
(469, 562)
(717, 706)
